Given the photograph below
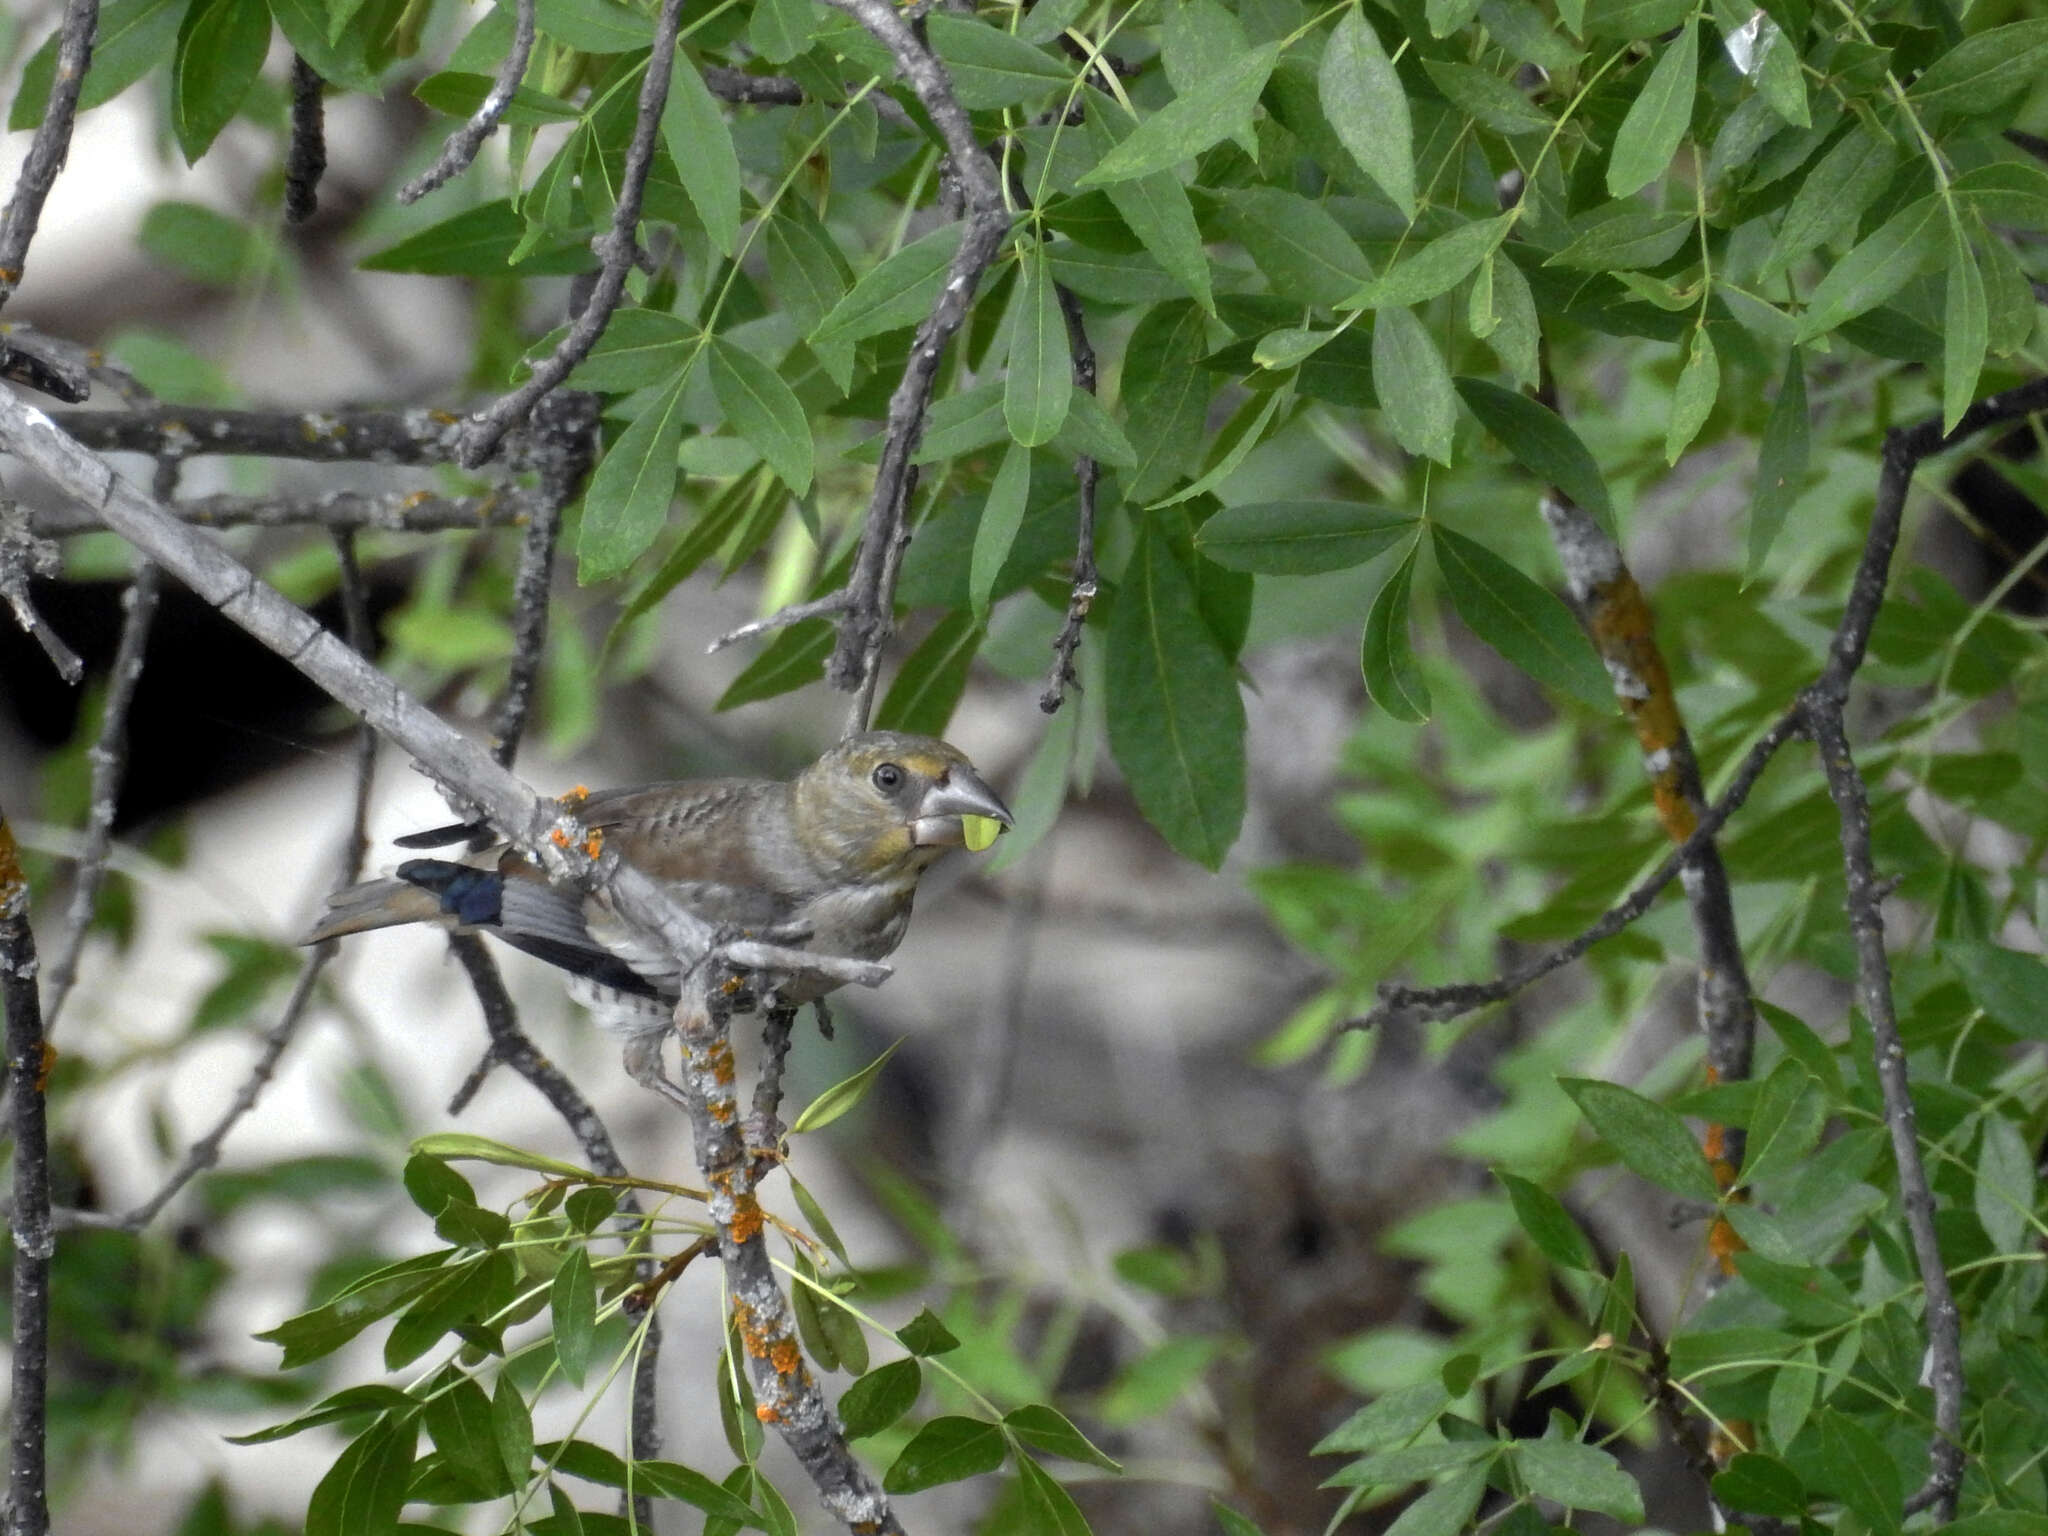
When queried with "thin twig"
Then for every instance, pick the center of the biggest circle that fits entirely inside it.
(1460, 998)
(865, 625)
(28, 1061)
(616, 250)
(570, 417)
(29, 360)
(416, 436)
(1084, 583)
(367, 511)
(787, 1394)
(795, 613)
(109, 759)
(744, 89)
(22, 557)
(305, 160)
(52, 143)
(464, 142)
(355, 622)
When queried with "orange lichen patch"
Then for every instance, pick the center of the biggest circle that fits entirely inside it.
(574, 795)
(593, 845)
(721, 1110)
(767, 1415)
(730, 985)
(1724, 1243)
(416, 499)
(1624, 635)
(786, 1357)
(559, 838)
(746, 1219)
(44, 1066)
(721, 1062)
(443, 417)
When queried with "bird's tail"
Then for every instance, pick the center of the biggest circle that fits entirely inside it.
(373, 904)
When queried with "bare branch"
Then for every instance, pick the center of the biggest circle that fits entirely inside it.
(22, 556)
(788, 1395)
(464, 142)
(109, 759)
(865, 625)
(33, 362)
(1084, 582)
(818, 608)
(359, 511)
(616, 250)
(1458, 999)
(305, 161)
(28, 1059)
(52, 143)
(743, 89)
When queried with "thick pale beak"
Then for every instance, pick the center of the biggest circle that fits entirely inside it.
(960, 793)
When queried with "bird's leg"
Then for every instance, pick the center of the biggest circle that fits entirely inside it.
(642, 1057)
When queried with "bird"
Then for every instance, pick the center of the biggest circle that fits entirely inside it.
(829, 860)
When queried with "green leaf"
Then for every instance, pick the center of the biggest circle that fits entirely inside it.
(1041, 374)
(1579, 1477)
(995, 535)
(991, 68)
(364, 1490)
(794, 658)
(1189, 124)
(2007, 985)
(1231, 1522)
(324, 1329)
(133, 37)
(925, 1335)
(341, 61)
(946, 1450)
(1620, 236)
(897, 293)
(1089, 431)
(1444, 1510)
(1761, 1485)
(459, 95)
(1176, 722)
(1650, 1139)
(1437, 268)
(932, 678)
(1486, 98)
(764, 411)
(672, 1480)
(1363, 99)
(1414, 387)
(1657, 118)
(626, 504)
(349, 1403)
(1794, 1386)
(480, 242)
(2011, 192)
(458, 1420)
(1549, 1225)
(1980, 73)
(639, 349)
(1692, 402)
(1166, 396)
(460, 1146)
(1300, 538)
(1047, 1506)
(694, 129)
(219, 55)
(1785, 1123)
(1156, 208)
(573, 1301)
(779, 30)
(1389, 1419)
(2004, 1192)
(880, 1398)
(1045, 1428)
(593, 26)
(1298, 244)
(1519, 619)
(1832, 197)
(1780, 463)
(1392, 678)
(1542, 443)
(1875, 270)
(842, 1095)
(1854, 1466)
(1154, 1381)
(1515, 334)
(512, 1427)
(1965, 331)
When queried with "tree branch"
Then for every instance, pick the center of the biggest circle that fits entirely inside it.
(360, 511)
(787, 1394)
(28, 1060)
(865, 625)
(52, 143)
(305, 160)
(1086, 472)
(464, 142)
(616, 250)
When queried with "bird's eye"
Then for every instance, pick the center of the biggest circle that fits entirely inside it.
(888, 778)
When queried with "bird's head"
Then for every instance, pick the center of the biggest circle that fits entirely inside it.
(886, 803)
